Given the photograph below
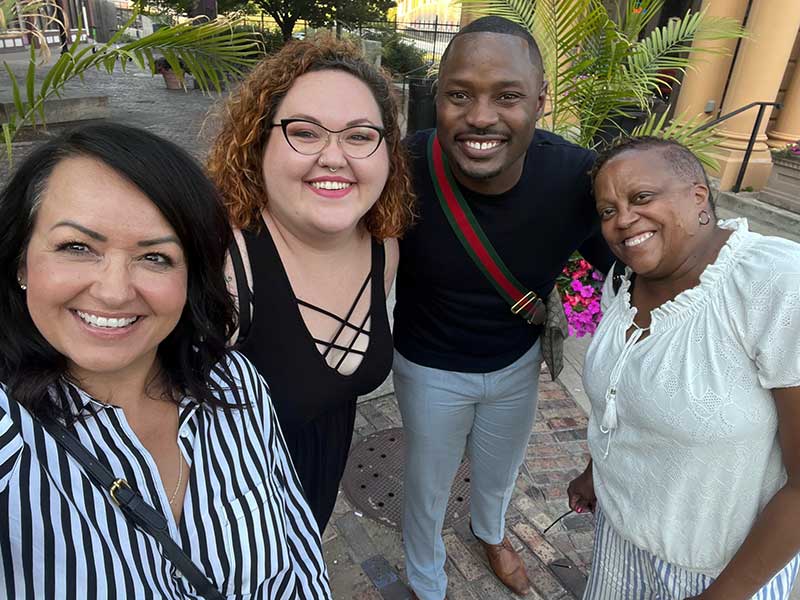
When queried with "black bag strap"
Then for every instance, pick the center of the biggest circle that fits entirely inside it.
(134, 507)
(243, 292)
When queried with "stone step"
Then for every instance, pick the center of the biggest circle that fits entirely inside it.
(65, 110)
(773, 219)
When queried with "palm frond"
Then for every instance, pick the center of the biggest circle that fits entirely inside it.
(599, 70)
(634, 15)
(519, 11)
(563, 29)
(667, 48)
(212, 50)
(31, 17)
(685, 131)
(568, 33)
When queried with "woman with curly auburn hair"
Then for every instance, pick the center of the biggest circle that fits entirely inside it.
(313, 173)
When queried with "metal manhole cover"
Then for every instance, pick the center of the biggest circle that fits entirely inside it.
(373, 480)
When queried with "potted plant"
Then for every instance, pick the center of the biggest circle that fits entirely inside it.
(789, 153)
(173, 79)
(607, 75)
(783, 186)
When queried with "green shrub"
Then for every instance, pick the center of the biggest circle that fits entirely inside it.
(400, 57)
(272, 40)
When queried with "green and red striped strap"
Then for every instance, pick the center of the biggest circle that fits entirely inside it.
(466, 227)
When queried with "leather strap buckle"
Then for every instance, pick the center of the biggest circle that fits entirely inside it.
(533, 304)
(117, 485)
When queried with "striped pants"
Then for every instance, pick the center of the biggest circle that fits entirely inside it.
(621, 571)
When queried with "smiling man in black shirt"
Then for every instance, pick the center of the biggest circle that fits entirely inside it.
(466, 368)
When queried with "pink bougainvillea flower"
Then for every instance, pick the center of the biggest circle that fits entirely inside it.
(580, 285)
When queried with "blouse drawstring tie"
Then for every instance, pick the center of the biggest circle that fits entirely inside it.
(609, 422)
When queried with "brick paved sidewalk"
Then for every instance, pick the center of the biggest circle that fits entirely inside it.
(366, 560)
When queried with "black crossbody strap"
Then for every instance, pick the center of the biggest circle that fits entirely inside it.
(243, 291)
(134, 507)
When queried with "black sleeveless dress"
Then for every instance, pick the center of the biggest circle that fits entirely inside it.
(315, 404)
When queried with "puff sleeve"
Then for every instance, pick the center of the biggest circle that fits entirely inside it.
(765, 310)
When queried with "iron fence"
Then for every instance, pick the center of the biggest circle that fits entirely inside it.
(431, 37)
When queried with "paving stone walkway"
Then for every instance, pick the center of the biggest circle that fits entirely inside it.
(135, 97)
(365, 558)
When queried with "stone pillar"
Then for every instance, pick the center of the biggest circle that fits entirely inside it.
(786, 129)
(704, 82)
(756, 76)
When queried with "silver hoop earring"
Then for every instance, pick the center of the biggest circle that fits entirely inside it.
(704, 218)
(22, 285)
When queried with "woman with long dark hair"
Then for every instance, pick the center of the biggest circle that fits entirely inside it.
(139, 457)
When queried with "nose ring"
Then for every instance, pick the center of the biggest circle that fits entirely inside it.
(321, 164)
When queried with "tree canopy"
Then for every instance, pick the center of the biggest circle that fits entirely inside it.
(320, 13)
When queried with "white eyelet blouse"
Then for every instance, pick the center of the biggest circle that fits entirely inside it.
(683, 430)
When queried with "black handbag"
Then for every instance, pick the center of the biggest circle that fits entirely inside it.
(134, 507)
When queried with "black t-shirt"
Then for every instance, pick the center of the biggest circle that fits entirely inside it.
(448, 315)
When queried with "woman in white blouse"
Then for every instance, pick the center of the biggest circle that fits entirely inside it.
(115, 318)
(694, 379)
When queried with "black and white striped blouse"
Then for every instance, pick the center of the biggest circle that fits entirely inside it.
(245, 522)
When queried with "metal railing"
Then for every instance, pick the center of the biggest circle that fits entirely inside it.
(420, 71)
(431, 37)
(762, 106)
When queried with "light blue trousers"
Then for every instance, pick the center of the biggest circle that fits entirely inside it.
(444, 412)
(622, 571)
